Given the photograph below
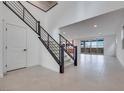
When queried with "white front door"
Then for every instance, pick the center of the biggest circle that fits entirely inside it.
(16, 50)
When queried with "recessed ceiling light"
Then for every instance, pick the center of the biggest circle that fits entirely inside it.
(95, 26)
(99, 33)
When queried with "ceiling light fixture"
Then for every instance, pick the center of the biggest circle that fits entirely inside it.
(95, 26)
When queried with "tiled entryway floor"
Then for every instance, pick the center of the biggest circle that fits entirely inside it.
(94, 72)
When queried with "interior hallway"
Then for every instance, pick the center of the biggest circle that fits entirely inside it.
(95, 72)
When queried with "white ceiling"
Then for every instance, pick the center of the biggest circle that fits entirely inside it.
(44, 5)
(106, 25)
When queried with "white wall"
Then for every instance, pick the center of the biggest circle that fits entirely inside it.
(119, 50)
(46, 59)
(59, 15)
(1, 41)
(1, 49)
(110, 45)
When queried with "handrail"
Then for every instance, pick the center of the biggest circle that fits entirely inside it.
(29, 13)
(27, 21)
(51, 36)
(67, 40)
(44, 36)
(26, 10)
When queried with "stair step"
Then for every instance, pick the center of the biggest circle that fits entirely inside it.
(67, 60)
(54, 47)
(51, 42)
(68, 63)
(56, 50)
(56, 53)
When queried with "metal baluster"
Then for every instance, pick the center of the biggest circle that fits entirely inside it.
(48, 40)
(23, 13)
(38, 28)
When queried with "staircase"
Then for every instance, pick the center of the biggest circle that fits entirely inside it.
(57, 50)
(67, 60)
(69, 48)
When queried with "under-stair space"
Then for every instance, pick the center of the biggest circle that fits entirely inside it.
(59, 51)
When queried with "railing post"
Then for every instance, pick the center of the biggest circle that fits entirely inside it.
(38, 22)
(48, 40)
(75, 56)
(62, 59)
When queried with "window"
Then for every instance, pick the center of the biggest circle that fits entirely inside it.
(100, 44)
(87, 44)
(82, 43)
(92, 46)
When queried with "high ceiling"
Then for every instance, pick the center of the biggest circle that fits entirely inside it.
(43, 5)
(99, 26)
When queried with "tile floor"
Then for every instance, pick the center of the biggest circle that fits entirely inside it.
(94, 72)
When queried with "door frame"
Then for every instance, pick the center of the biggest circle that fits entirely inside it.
(5, 44)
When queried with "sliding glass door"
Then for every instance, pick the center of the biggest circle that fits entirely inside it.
(92, 46)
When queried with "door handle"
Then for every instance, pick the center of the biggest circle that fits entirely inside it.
(25, 49)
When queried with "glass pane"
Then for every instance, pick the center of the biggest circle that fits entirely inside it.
(82, 43)
(94, 44)
(87, 44)
(100, 44)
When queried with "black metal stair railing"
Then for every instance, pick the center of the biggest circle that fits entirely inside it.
(69, 48)
(55, 49)
(23, 14)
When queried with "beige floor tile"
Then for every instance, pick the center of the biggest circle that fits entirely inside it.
(94, 72)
